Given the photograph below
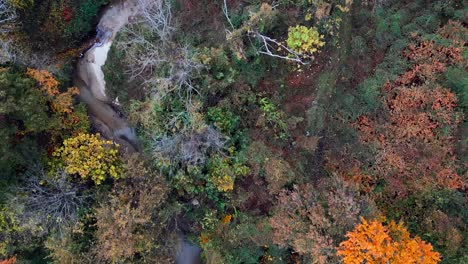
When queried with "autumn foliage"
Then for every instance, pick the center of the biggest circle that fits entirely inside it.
(61, 102)
(415, 141)
(124, 221)
(11, 260)
(89, 156)
(313, 228)
(372, 242)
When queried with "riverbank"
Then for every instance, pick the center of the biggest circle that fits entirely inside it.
(89, 78)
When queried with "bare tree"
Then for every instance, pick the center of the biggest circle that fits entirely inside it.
(191, 149)
(50, 201)
(143, 55)
(7, 52)
(157, 15)
(7, 15)
(149, 46)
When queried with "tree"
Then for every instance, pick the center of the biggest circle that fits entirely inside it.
(50, 201)
(53, 26)
(34, 112)
(312, 222)
(372, 242)
(8, 228)
(129, 221)
(90, 157)
(21, 4)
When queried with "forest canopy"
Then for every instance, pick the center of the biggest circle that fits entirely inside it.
(233, 131)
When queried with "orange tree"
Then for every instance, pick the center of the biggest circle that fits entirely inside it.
(372, 242)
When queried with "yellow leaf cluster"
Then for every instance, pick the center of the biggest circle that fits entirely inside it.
(89, 156)
(304, 40)
(372, 242)
(223, 173)
(224, 183)
(21, 4)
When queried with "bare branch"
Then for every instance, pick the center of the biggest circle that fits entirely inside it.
(270, 44)
(7, 52)
(156, 14)
(148, 47)
(226, 14)
(7, 14)
(50, 201)
(191, 149)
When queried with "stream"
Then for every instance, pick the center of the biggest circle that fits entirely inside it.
(89, 78)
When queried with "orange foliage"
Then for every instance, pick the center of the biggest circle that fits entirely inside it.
(204, 239)
(46, 80)
(449, 178)
(415, 142)
(61, 102)
(364, 182)
(11, 260)
(372, 242)
(455, 32)
(226, 219)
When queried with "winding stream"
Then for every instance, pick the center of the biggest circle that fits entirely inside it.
(89, 78)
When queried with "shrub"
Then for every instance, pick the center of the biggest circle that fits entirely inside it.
(226, 121)
(222, 172)
(21, 4)
(8, 227)
(304, 40)
(242, 239)
(90, 157)
(273, 116)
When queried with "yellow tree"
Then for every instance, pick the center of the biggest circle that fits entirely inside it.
(372, 242)
(89, 156)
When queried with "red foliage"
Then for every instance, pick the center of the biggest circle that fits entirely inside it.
(429, 60)
(67, 14)
(415, 141)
